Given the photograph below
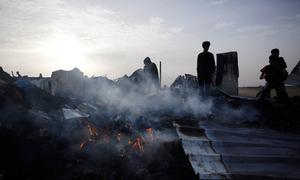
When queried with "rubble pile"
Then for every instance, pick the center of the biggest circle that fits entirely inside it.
(184, 84)
(74, 84)
(54, 137)
(96, 128)
(42, 83)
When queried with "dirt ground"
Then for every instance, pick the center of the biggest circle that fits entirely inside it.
(252, 91)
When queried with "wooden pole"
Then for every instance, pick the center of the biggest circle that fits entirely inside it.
(160, 73)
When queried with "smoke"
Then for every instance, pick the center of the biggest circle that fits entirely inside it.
(136, 101)
(242, 114)
(141, 99)
(129, 129)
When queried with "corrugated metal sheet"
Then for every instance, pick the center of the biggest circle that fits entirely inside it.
(218, 150)
(206, 163)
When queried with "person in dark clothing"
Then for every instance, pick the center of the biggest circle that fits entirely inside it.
(279, 62)
(272, 73)
(151, 72)
(205, 68)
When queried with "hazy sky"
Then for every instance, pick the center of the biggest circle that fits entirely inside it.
(112, 37)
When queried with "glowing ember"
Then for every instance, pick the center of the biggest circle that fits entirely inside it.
(108, 136)
(82, 145)
(137, 144)
(92, 133)
(150, 134)
(85, 143)
(93, 130)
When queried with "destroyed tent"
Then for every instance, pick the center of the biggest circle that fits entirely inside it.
(294, 77)
(72, 139)
(76, 139)
(74, 84)
(10, 95)
(137, 76)
(71, 83)
(133, 82)
(36, 97)
(188, 85)
(185, 83)
(138, 81)
(42, 83)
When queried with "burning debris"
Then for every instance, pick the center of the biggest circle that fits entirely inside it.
(96, 128)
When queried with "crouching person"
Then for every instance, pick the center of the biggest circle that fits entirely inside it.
(273, 75)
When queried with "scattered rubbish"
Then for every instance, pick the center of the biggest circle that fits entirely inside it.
(81, 125)
(71, 113)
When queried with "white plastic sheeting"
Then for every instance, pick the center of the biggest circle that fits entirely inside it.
(71, 113)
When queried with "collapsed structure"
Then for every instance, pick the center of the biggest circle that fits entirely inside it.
(294, 77)
(75, 127)
(74, 83)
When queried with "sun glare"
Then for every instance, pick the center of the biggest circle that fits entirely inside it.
(66, 52)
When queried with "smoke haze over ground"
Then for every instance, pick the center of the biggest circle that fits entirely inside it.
(97, 128)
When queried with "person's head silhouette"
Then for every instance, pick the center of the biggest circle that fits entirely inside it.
(205, 46)
(147, 61)
(275, 52)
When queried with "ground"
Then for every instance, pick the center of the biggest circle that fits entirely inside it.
(252, 91)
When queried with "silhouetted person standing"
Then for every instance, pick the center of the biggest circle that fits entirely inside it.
(151, 72)
(279, 62)
(275, 74)
(205, 68)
